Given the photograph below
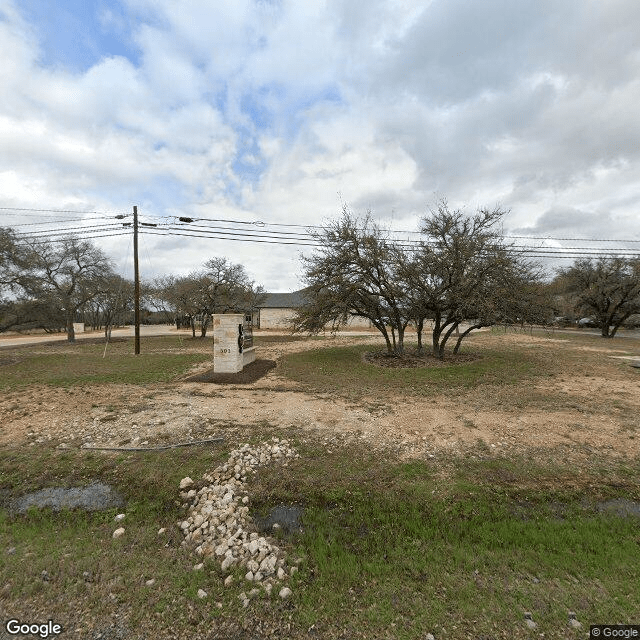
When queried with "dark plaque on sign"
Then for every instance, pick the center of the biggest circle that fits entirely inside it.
(247, 330)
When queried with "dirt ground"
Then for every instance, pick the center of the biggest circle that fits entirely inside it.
(572, 424)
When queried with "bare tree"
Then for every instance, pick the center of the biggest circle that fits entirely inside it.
(225, 287)
(463, 272)
(355, 272)
(66, 274)
(607, 288)
(220, 287)
(111, 305)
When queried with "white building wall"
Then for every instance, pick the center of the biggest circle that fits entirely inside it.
(282, 318)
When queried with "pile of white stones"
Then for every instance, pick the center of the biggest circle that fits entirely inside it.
(218, 521)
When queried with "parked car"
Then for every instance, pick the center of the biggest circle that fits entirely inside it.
(587, 322)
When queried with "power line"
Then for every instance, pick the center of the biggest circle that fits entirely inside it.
(65, 230)
(216, 231)
(571, 239)
(161, 233)
(89, 237)
(34, 224)
(261, 223)
(106, 213)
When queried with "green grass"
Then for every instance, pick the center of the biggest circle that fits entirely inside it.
(342, 369)
(390, 549)
(60, 364)
(399, 544)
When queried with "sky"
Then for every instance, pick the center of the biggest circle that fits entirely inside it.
(281, 111)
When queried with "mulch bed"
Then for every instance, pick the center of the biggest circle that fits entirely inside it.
(413, 360)
(251, 373)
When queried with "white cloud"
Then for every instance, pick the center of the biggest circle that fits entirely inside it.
(276, 110)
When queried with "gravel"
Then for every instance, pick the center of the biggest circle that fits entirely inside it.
(218, 524)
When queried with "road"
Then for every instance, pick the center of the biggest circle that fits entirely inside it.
(124, 332)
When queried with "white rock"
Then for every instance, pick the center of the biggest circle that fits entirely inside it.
(118, 533)
(186, 482)
(161, 531)
(198, 567)
(285, 592)
(268, 565)
(281, 573)
(252, 565)
(228, 581)
(150, 583)
(120, 517)
(249, 576)
(202, 593)
(228, 562)
(253, 547)
(293, 570)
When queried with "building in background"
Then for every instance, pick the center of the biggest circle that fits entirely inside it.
(278, 310)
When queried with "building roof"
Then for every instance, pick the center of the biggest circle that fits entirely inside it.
(291, 300)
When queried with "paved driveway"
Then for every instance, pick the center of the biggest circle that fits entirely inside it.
(145, 330)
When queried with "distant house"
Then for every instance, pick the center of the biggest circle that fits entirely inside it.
(278, 310)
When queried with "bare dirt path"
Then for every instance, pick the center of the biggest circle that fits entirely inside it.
(128, 415)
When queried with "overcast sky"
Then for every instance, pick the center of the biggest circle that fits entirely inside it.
(279, 111)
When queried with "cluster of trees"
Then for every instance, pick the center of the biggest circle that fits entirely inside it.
(462, 271)
(47, 285)
(606, 289)
(220, 287)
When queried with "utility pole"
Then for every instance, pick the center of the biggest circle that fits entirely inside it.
(136, 277)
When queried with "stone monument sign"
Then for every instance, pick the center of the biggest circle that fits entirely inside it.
(232, 342)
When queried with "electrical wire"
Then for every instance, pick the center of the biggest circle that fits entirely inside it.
(34, 224)
(89, 237)
(266, 234)
(161, 233)
(261, 223)
(66, 230)
(106, 213)
(217, 232)
(292, 235)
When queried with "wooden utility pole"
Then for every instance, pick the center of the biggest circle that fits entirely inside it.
(136, 277)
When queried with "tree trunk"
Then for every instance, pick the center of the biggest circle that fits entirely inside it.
(436, 341)
(419, 327)
(383, 330)
(193, 326)
(443, 342)
(203, 327)
(400, 347)
(71, 334)
(462, 336)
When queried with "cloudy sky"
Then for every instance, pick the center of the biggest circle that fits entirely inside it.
(279, 111)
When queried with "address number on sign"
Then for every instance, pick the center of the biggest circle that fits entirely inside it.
(225, 350)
